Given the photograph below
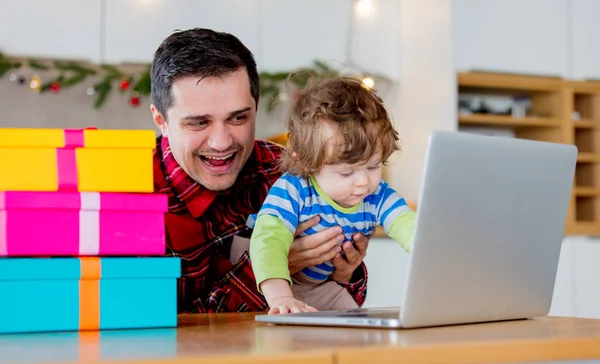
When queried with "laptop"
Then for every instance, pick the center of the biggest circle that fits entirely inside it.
(490, 223)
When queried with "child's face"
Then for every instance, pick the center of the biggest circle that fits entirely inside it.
(349, 184)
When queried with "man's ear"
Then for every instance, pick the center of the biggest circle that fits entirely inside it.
(159, 121)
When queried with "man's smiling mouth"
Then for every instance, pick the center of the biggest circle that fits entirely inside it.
(218, 161)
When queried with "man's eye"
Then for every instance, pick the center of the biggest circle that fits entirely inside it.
(198, 124)
(239, 118)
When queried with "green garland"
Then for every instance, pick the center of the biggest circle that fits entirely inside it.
(71, 73)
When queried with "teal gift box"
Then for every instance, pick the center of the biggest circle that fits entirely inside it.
(88, 293)
(89, 346)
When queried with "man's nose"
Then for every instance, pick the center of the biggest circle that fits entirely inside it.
(220, 138)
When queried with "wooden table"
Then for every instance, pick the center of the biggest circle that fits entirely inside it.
(236, 338)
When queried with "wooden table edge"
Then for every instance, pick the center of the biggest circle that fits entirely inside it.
(477, 352)
(316, 356)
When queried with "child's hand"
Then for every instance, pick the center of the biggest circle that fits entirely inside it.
(280, 298)
(289, 304)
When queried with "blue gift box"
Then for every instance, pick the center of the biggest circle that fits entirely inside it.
(88, 293)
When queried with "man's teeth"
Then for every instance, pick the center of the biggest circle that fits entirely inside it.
(220, 158)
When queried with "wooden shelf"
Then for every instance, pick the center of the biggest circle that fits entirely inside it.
(584, 228)
(559, 99)
(583, 87)
(505, 120)
(586, 191)
(586, 123)
(509, 81)
(588, 157)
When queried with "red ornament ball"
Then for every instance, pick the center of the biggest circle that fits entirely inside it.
(124, 84)
(55, 87)
(134, 101)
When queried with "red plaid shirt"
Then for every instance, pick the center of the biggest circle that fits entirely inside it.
(200, 227)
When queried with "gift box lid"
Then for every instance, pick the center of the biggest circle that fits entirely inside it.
(93, 201)
(65, 138)
(88, 268)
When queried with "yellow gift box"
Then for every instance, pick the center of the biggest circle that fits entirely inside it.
(85, 160)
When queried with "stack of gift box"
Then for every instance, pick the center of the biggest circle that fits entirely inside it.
(82, 235)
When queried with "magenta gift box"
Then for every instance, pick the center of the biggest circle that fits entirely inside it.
(82, 224)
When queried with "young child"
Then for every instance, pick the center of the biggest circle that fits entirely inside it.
(340, 135)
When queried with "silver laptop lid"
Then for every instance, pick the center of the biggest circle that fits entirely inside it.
(491, 218)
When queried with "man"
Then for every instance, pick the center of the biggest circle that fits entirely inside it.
(205, 94)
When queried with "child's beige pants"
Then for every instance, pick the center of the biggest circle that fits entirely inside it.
(325, 296)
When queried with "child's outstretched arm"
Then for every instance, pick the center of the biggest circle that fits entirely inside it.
(270, 244)
(402, 229)
(396, 217)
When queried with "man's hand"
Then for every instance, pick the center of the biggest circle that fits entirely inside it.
(344, 267)
(316, 248)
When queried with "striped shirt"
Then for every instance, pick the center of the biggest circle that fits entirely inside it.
(293, 200)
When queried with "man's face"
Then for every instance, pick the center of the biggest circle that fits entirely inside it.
(210, 127)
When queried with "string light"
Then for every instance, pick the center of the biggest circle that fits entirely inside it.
(364, 8)
(368, 83)
(147, 2)
(36, 83)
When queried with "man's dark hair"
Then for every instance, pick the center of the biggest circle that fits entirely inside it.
(201, 53)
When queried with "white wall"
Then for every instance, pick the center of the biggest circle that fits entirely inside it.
(282, 34)
(524, 36)
(585, 50)
(424, 101)
(543, 37)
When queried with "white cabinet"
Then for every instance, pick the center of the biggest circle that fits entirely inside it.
(295, 33)
(586, 273)
(585, 46)
(577, 289)
(563, 302)
(68, 29)
(135, 28)
(520, 36)
(387, 266)
(283, 35)
(377, 34)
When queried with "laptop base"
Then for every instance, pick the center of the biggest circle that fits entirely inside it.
(362, 317)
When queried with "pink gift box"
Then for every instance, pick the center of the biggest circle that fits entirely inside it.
(82, 224)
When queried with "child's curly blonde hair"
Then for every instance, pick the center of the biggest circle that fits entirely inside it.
(361, 127)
